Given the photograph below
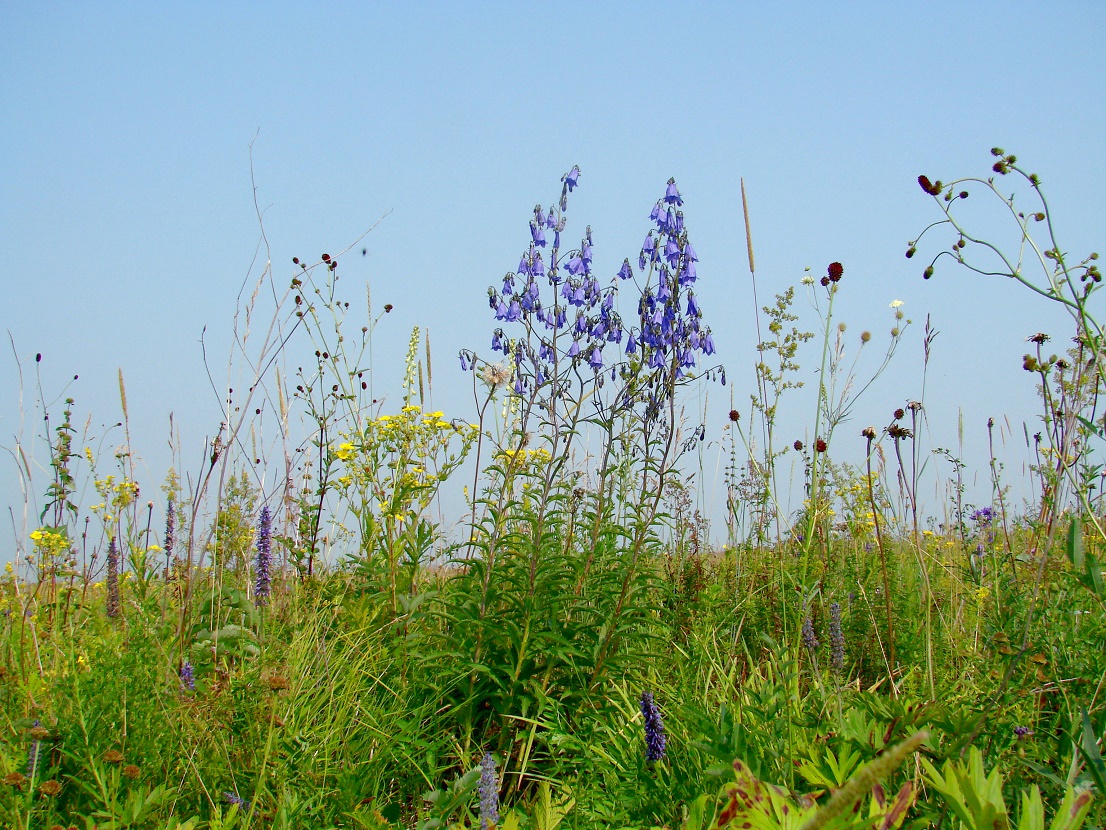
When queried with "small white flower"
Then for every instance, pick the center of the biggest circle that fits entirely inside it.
(808, 280)
(896, 303)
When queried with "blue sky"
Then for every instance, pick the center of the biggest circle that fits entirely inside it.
(127, 223)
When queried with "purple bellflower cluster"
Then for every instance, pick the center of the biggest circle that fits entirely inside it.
(264, 557)
(669, 337)
(576, 326)
(655, 741)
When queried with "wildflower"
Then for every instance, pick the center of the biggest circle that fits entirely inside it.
(798, 445)
(895, 303)
(170, 528)
(187, 677)
(928, 186)
(655, 741)
(113, 579)
(984, 516)
(1022, 732)
(264, 557)
(489, 793)
(112, 756)
(234, 798)
(735, 416)
(820, 445)
(50, 788)
(571, 178)
(837, 637)
(131, 771)
(810, 641)
(15, 779)
(672, 195)
(834, 272)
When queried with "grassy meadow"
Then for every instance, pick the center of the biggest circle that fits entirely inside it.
(284, 633)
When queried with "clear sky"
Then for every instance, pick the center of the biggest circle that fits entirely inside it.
(127, 223)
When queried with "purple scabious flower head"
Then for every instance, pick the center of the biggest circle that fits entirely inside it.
(187, 677)
(264, 557)
(489, 793)
(112, 606)
(655, 741)
(837, 637)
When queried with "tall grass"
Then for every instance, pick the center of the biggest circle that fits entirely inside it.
(298, 639)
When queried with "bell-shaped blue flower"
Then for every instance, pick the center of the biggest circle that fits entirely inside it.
(672, 195)
(571, 178)
(692, 306)
(625, 272)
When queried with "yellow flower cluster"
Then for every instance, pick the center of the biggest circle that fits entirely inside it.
(537, 456)
(119, 494)
(49, 542)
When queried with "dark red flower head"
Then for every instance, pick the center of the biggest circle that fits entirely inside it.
(835, 270)
(820, 446)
